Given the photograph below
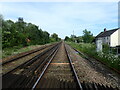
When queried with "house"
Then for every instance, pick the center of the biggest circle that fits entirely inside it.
(109, 37)
(20, 19)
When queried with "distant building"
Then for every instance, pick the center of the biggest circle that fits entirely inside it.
(110, 37)
(20, 19)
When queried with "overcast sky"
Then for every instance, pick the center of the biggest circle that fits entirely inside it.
(64, 17)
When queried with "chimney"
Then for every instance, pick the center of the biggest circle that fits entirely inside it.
(105, 30)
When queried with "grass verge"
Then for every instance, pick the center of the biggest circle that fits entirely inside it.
(19, 49)
(90, 49)
(16, 50)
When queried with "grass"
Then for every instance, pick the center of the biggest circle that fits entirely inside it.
(17, 49)
(90, 49)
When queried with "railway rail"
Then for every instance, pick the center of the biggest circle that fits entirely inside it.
(68, 63)
(110, 75)
(27, 71)
(88, 56)
(53, 68)
(24, 54)
(12, 63)
(44, 81)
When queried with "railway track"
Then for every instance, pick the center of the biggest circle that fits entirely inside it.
(24, 74)
(11, 63)
(111, 76)
(53, 68)
(87, 57)
(24, 54)
(59, 71)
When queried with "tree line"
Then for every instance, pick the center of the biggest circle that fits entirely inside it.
(87, 37)
(21, 33)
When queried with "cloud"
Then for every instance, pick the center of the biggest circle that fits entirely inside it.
(59, 0)
(64, 17)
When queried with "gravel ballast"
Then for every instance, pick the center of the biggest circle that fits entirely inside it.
(60, 67)
(13, 64)
(93, 72)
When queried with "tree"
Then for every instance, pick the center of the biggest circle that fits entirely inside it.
(46, 37)
(1, 19)
(87, 36)
(67, 38)
(54, 37)
(21, 33)
(79, 39)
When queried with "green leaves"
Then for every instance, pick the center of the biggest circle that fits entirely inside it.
(87, 36)
(22, 33)
(55, 38)
(90, 49)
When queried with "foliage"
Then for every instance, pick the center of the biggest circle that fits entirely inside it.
(106, 48)
(90, 49)
(20, 33)
(74, 38)
(67, 38)
(79, 39)
(110, 59)
(87, 36)
(54, 37)
(15, 50)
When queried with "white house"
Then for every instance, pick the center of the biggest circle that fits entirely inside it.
(110, 37)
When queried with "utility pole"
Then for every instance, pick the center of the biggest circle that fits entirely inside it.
(73, 32)
(73, 36)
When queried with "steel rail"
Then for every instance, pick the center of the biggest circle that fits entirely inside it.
(88, 56)
(28, 62)
(43, 72)
(41, 65)
(26, 54)
(52, 48)
(73, 69)
(38, 66)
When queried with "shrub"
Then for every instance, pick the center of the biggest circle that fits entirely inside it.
(90, 49)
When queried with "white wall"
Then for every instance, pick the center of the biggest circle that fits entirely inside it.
(119, 36)
(99, 44)
(114, 39)
(106, 40)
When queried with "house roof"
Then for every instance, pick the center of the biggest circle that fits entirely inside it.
(106, 33)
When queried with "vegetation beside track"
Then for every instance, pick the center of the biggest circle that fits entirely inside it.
(18, 49)
(20, 36)
(90, 49)
(15, 50)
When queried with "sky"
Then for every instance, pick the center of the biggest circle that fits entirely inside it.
(64, 17)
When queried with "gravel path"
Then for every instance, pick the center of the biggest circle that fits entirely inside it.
(89, 72)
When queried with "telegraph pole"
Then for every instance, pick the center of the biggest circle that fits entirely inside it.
(73, 36)
(73, 32)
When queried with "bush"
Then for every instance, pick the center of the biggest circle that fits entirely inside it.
(90, 49)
